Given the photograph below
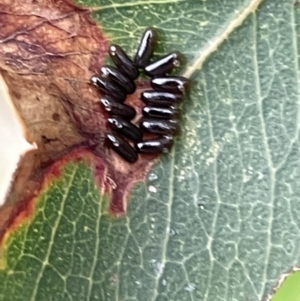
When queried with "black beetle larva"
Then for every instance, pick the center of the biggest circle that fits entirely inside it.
(113, 73)
(155, 146)
(109, 87)
(162, 127)
(159, 112)
(125, 128)
(146, 47)
(159, 98)
(164, 64)
(123, 62)
(121, 147)
(174, 84)
(117, 108)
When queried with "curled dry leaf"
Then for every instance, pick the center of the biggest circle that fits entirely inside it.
(13, 145)
(48, 51)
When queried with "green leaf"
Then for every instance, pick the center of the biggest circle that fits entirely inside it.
(54, 254)
(289, 288)
(217, 218)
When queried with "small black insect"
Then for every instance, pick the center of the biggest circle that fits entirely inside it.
(113, 73)
(155, 146)
(173, 84)
(164, 64)
(109, 87)
(161, 99)
(125, 128)
(116, 108)
(146, 47)
(123, 62)
(161, 127)
(121, 147)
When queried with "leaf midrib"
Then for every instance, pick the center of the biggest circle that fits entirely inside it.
(237, 19)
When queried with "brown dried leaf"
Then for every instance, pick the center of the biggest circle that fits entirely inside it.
(48, 51)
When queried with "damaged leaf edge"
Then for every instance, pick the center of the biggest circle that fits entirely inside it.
(15, 142)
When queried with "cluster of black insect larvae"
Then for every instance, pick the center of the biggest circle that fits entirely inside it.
(160, 115)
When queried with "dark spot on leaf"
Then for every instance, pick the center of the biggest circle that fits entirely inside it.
(56, 117)
(47, 140)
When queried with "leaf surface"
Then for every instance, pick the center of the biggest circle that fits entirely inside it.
(217, 219)
(288, 288)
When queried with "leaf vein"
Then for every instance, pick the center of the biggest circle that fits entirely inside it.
(168, 224)
(237, 19)
(129, 4)
(57, 222)
(97, 244)
(216, 186)
(267, 154)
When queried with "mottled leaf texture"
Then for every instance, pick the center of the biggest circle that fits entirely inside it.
(218, 218)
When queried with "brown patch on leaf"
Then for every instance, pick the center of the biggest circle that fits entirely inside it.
(48, 51)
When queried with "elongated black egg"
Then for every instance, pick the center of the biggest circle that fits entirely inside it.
(155, 146)
(109, 87)
(162, 127)
(116, 108)
(123, 62)
(146, 47)
(117, 76)
(125, 128)
(159, 98)
(160, 113)
(173, 84)
(121, 147)
(164, 64)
